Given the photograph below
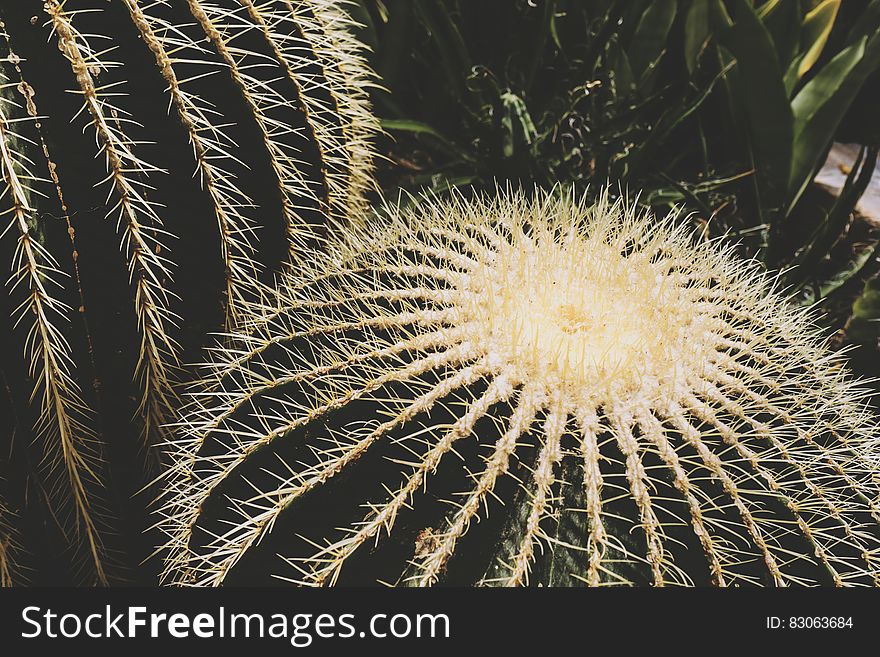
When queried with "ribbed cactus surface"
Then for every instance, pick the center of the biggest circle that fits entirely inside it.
(527, 392)
(158, 159)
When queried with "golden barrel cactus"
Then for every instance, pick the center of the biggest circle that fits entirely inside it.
(158, 159)
(519, 391)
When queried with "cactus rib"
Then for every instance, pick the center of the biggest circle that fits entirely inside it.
(62, 424)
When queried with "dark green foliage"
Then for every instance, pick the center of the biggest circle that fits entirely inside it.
(534, 92)
(727, 107)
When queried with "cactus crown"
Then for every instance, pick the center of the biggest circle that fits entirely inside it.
(584, 309)
(616, 400)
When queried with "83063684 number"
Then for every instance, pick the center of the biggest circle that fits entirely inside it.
(809, 623)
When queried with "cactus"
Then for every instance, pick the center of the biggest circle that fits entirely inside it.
(9, 573)
(159, 160)
(614, 400)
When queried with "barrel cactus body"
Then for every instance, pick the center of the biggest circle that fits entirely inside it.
(10, 574)
(159, 160)
(527, 392)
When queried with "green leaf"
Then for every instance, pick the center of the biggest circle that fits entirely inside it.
(834, 224)
(517, 122)
(535, 51)
(672, 118)
(454, 58)
(719, 18)
(760, 92)
(554, 31)
(864, 325)
(624, 79)
(791, 74)
(868, 23)
(442, 183)
(696, 32)
(852, 268)
(406, 125)
(649, 40)
(783, 22)
(417, 127)
(817, 27)
(819, 107)
(768, 7)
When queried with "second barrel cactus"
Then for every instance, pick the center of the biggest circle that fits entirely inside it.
(158, 159)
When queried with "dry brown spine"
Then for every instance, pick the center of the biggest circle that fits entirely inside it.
(9, 571)
(62, 424)
(137, 220)
(210, 149)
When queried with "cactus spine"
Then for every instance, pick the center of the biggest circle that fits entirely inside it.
(159, 159)
(9, 573)
(615, 401)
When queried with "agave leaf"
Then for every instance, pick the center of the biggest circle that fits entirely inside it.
(417, 127)
(819, 107)
(761, 93)
(554, 31)
(673, 117)
(441, 184)
(838, 216)
(852, 268)
(696, 32)
(791, 78)
(783, 22)
(519, 128)
(817, 26)
(768, 7)
(868, 22)
(454, 57)
(649, 40)
(621, 68)
(534, 50)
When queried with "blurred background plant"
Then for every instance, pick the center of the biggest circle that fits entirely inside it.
(728, 108)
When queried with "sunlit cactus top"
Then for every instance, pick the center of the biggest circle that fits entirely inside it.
(615, 400)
